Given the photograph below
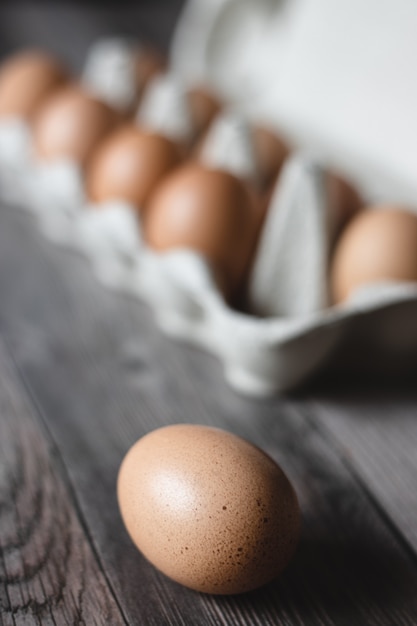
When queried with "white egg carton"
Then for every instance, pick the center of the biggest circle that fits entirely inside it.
(260, 355)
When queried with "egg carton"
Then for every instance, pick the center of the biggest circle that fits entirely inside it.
(260, 355)
(292, 330)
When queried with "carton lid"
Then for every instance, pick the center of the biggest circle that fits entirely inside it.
(337, 77)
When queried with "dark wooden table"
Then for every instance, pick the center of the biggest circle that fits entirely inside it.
(85, 372)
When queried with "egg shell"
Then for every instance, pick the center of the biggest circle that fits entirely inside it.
(149, 63)
(208, 509)
(344, 201)
(129, 164)
(210, 211)
(379, 244)
(204, 107)
(70, 124)
(26, 79)
(271, 152)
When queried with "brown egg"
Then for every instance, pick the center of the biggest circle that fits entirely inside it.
(204, 107)
(208, 509)
(210, 211)
(70, 124)
(26, 79)
(378, 245)
(149, 64)
(271, 152)
(129, 164)
(344, 201)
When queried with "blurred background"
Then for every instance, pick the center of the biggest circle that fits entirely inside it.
(68, 28)
(342, 102)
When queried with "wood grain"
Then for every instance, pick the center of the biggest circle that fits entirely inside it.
(48, 572)
(103, 375)
(376, 432)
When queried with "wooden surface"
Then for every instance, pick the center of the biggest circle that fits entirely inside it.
(84, 373)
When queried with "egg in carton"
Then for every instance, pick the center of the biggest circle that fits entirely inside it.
(41, 157)
(184, 293)
(179, 284)
(116, 73)
(290, 272)
(287, 63)
(26, 80)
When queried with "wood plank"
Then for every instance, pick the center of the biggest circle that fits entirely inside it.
(48, 571)
(103, 375)
(376, 432)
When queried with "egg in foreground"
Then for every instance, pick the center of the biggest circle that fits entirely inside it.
(208, 509)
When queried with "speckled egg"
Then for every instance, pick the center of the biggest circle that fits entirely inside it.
(208, 509)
